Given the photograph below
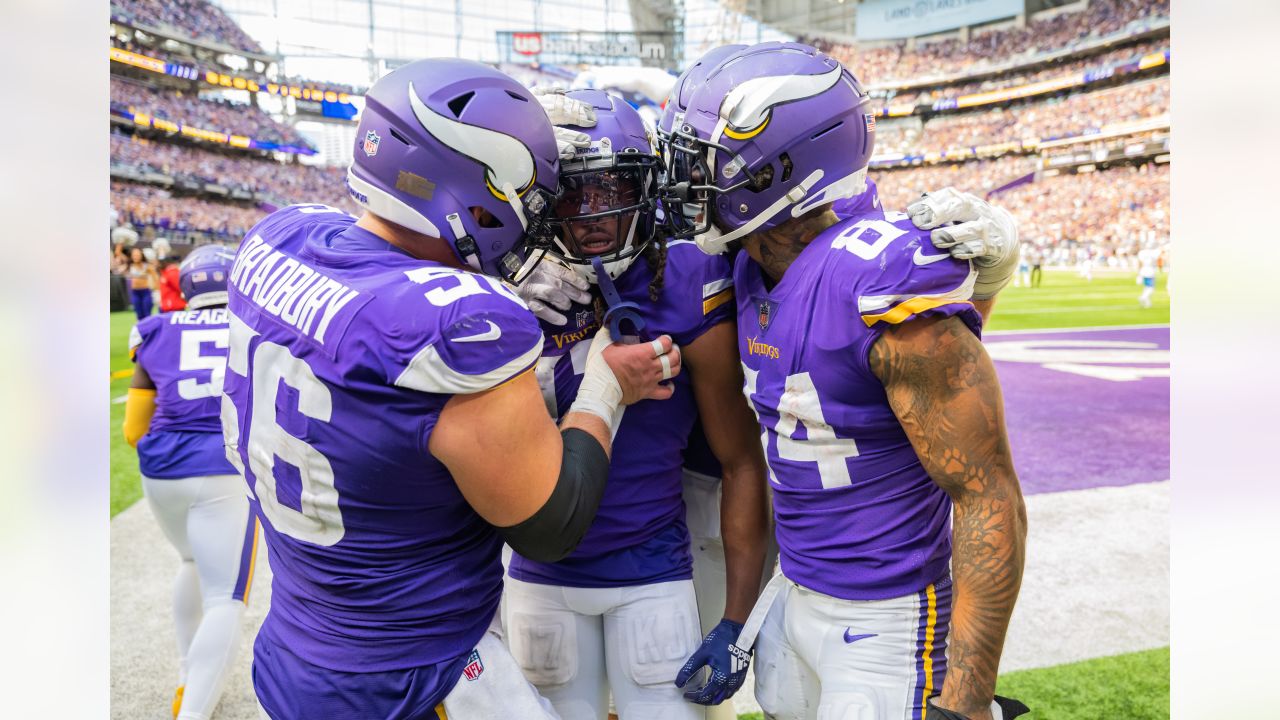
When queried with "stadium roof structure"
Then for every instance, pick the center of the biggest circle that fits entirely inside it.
(837, 19)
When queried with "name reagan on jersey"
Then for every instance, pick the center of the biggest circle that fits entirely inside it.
(288, 289)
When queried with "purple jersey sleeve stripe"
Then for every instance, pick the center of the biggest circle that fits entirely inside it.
(248, 559)
(717, 300)
(925, 652)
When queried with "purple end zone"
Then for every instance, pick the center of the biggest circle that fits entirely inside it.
(1086, 409)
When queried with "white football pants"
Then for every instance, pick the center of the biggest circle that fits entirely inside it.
(823, 658)
(207, 520)
(578, 644)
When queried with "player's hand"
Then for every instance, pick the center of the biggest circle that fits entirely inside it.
(568, 142)
(983, 233)
(641, 369)
(1002, 708)
(550, 287)
(564, 110)
(727, 664)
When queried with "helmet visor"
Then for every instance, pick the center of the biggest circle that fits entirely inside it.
(599, 211)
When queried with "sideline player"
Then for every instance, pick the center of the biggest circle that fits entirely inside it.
(880, 408)
(381, 404)
(1148, 258)
(619, 614)
(171, 417)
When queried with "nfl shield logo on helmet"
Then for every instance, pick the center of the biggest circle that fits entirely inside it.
(764, 315)
(371, 141)
(474, 667)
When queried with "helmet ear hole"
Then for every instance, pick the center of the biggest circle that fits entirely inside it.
(763, 179)
(787, 166)
(484, 218)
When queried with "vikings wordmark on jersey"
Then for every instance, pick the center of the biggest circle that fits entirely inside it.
(858, 517)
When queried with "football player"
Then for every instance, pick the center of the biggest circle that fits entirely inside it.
(880, 409)
(171, 417)
(381, 404)
(619, 614)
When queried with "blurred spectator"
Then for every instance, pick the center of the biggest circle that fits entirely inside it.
(170, 290)
(1108, 215)
(1070, 115)
(147, 206)
(195, 19)
(949, 57)
(217, 115)
(142, 281)
(285, 183)
(929, 96)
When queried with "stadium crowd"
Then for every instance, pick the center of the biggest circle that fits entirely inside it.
(1076, 114)
(930, 96)
(285, 182)
(216, 115)
(196, 19)
(1109, 214)
(144, 206)
(894, 62)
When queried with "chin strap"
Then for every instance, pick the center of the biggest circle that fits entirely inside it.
(619, 310)
(714, 245)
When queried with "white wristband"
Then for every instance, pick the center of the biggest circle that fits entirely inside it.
(599, 393)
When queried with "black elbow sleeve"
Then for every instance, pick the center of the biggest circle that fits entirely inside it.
(555, 529)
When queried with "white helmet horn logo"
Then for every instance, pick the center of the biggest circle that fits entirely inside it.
(748, 104)
(507, 161)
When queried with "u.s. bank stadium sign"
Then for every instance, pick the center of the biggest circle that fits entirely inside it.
(650, 48)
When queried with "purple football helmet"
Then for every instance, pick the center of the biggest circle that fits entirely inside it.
(443, 142)
(775, 131)
(202, 276)
(681, 218)
(608, 191)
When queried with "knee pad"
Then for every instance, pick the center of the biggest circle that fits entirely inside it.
(544, 645)
(860, 704)
(656, 636)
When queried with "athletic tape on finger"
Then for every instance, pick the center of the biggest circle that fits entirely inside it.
(666, 366)
(658, 350)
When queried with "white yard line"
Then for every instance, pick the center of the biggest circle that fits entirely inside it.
(1096, 328)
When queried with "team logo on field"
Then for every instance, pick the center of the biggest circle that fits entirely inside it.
(474, 667)
(371, 142)
(765, 310)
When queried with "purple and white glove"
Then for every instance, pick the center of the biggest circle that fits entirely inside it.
(726, 662)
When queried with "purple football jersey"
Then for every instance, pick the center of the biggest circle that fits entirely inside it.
(344, 350)
(639, 535)
(868, 203)
(185, 354)
(857, 515)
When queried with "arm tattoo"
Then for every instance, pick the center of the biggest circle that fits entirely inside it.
(943, 388)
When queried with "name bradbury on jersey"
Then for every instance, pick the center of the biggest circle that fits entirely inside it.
(285, 288)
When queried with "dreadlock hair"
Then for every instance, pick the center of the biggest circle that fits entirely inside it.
(655, 256)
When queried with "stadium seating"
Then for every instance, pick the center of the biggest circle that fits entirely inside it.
(196, 19)
(189, 109)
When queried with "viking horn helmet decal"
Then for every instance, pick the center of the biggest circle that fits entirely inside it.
(747, 106)
(507, 161)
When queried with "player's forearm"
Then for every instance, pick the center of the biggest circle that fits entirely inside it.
(593, 425)
(984, 308)
(744, 521)
(988, 551)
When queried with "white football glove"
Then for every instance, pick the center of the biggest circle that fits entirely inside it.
(984, 233)
(564, 110)
(550, 287)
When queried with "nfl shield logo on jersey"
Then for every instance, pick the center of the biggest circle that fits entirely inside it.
(764, 315)
(474, 667)
(371, 141)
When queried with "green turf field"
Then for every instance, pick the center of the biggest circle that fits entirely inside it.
(1065, 300)
(126, 486)
(1129, 687)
